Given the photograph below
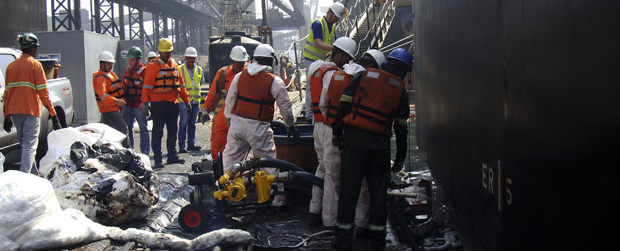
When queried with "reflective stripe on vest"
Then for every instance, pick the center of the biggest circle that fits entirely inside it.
(316, 87)
(254, 98)
(134, 83)
(26, 84)
(311, 51)
(193, 90)
(166, 80)
(375, 102)
(115, 88)
(339, 81)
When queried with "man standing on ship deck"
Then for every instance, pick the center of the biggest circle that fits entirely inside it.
(250, 109)
(217, 97)
(369, 109)
(163, 84)
(319, 43)
(132, 82)
(324, 203)
(26, 88)
(109, 93)
(192, 75)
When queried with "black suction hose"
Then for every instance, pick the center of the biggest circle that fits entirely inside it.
(307, 178)
(299, 175)
(283, 165)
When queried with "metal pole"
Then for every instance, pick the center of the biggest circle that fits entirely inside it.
(97, 16)
(165, 22)
(77, 17)
(141, 20)
(54, 15)
(298, 72)
(121, 21)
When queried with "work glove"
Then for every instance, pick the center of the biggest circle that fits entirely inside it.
(398, 165)
(56, 123)
(145, 109)
(8, 124)
(228, 119)
(338, 141)
(292, 131)
(205, 115)
(189, 107)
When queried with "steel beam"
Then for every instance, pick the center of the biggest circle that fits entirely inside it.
(62, 16)
(121, 22)
(294, 12)
(107, 25)
(171, 9)
(135, 23)
(246, 4)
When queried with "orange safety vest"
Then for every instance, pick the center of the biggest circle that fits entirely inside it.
(375, 102)
(167, 79)
(339, 81)
(255, 94)
(316, 87)
(133, 83)
(114, 88)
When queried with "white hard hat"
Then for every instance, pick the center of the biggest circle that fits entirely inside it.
(347, 45)
(377, 55)
(338, 9)
(151, 55)
(106, 56)
(239, 54)
(264, 50)
(191, 52)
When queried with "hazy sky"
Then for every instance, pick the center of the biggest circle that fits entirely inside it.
(86, 5)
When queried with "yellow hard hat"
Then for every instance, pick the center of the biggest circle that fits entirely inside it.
(165, 45)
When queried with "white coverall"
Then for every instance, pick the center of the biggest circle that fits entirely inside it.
(329, 160)
(245, 133)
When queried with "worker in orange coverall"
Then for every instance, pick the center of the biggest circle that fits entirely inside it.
(217, 96)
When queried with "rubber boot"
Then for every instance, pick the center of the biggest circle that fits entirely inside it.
(158, 161)
(174, 159)
(194, 148)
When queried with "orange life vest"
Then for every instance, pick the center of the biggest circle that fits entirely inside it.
(339, 81)
(375, 102)
(316, 87)
(134, 83)
(114, 88)
(254, 99)
(167, 78)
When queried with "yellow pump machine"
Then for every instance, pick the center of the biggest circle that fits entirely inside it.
(214, 190)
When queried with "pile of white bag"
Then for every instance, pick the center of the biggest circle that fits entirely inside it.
(31, 219)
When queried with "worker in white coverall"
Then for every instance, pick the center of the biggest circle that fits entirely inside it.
(249, 108)
(324, 203)
(330, 99)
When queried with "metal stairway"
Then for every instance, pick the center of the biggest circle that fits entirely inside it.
(369, 25)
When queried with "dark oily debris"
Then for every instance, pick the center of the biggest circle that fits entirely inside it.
(109, 186)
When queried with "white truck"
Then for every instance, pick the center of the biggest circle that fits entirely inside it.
(61, 95)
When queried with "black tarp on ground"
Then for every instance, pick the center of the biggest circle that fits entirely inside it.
(175, 194)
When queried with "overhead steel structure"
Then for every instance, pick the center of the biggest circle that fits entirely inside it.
(190, 21)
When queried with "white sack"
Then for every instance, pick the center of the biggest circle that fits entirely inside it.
(31, 219)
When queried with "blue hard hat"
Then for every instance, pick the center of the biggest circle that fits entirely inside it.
(402, 55)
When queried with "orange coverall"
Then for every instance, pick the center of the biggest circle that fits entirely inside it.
(219, 131)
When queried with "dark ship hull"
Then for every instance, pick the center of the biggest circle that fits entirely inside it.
(518, 118)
